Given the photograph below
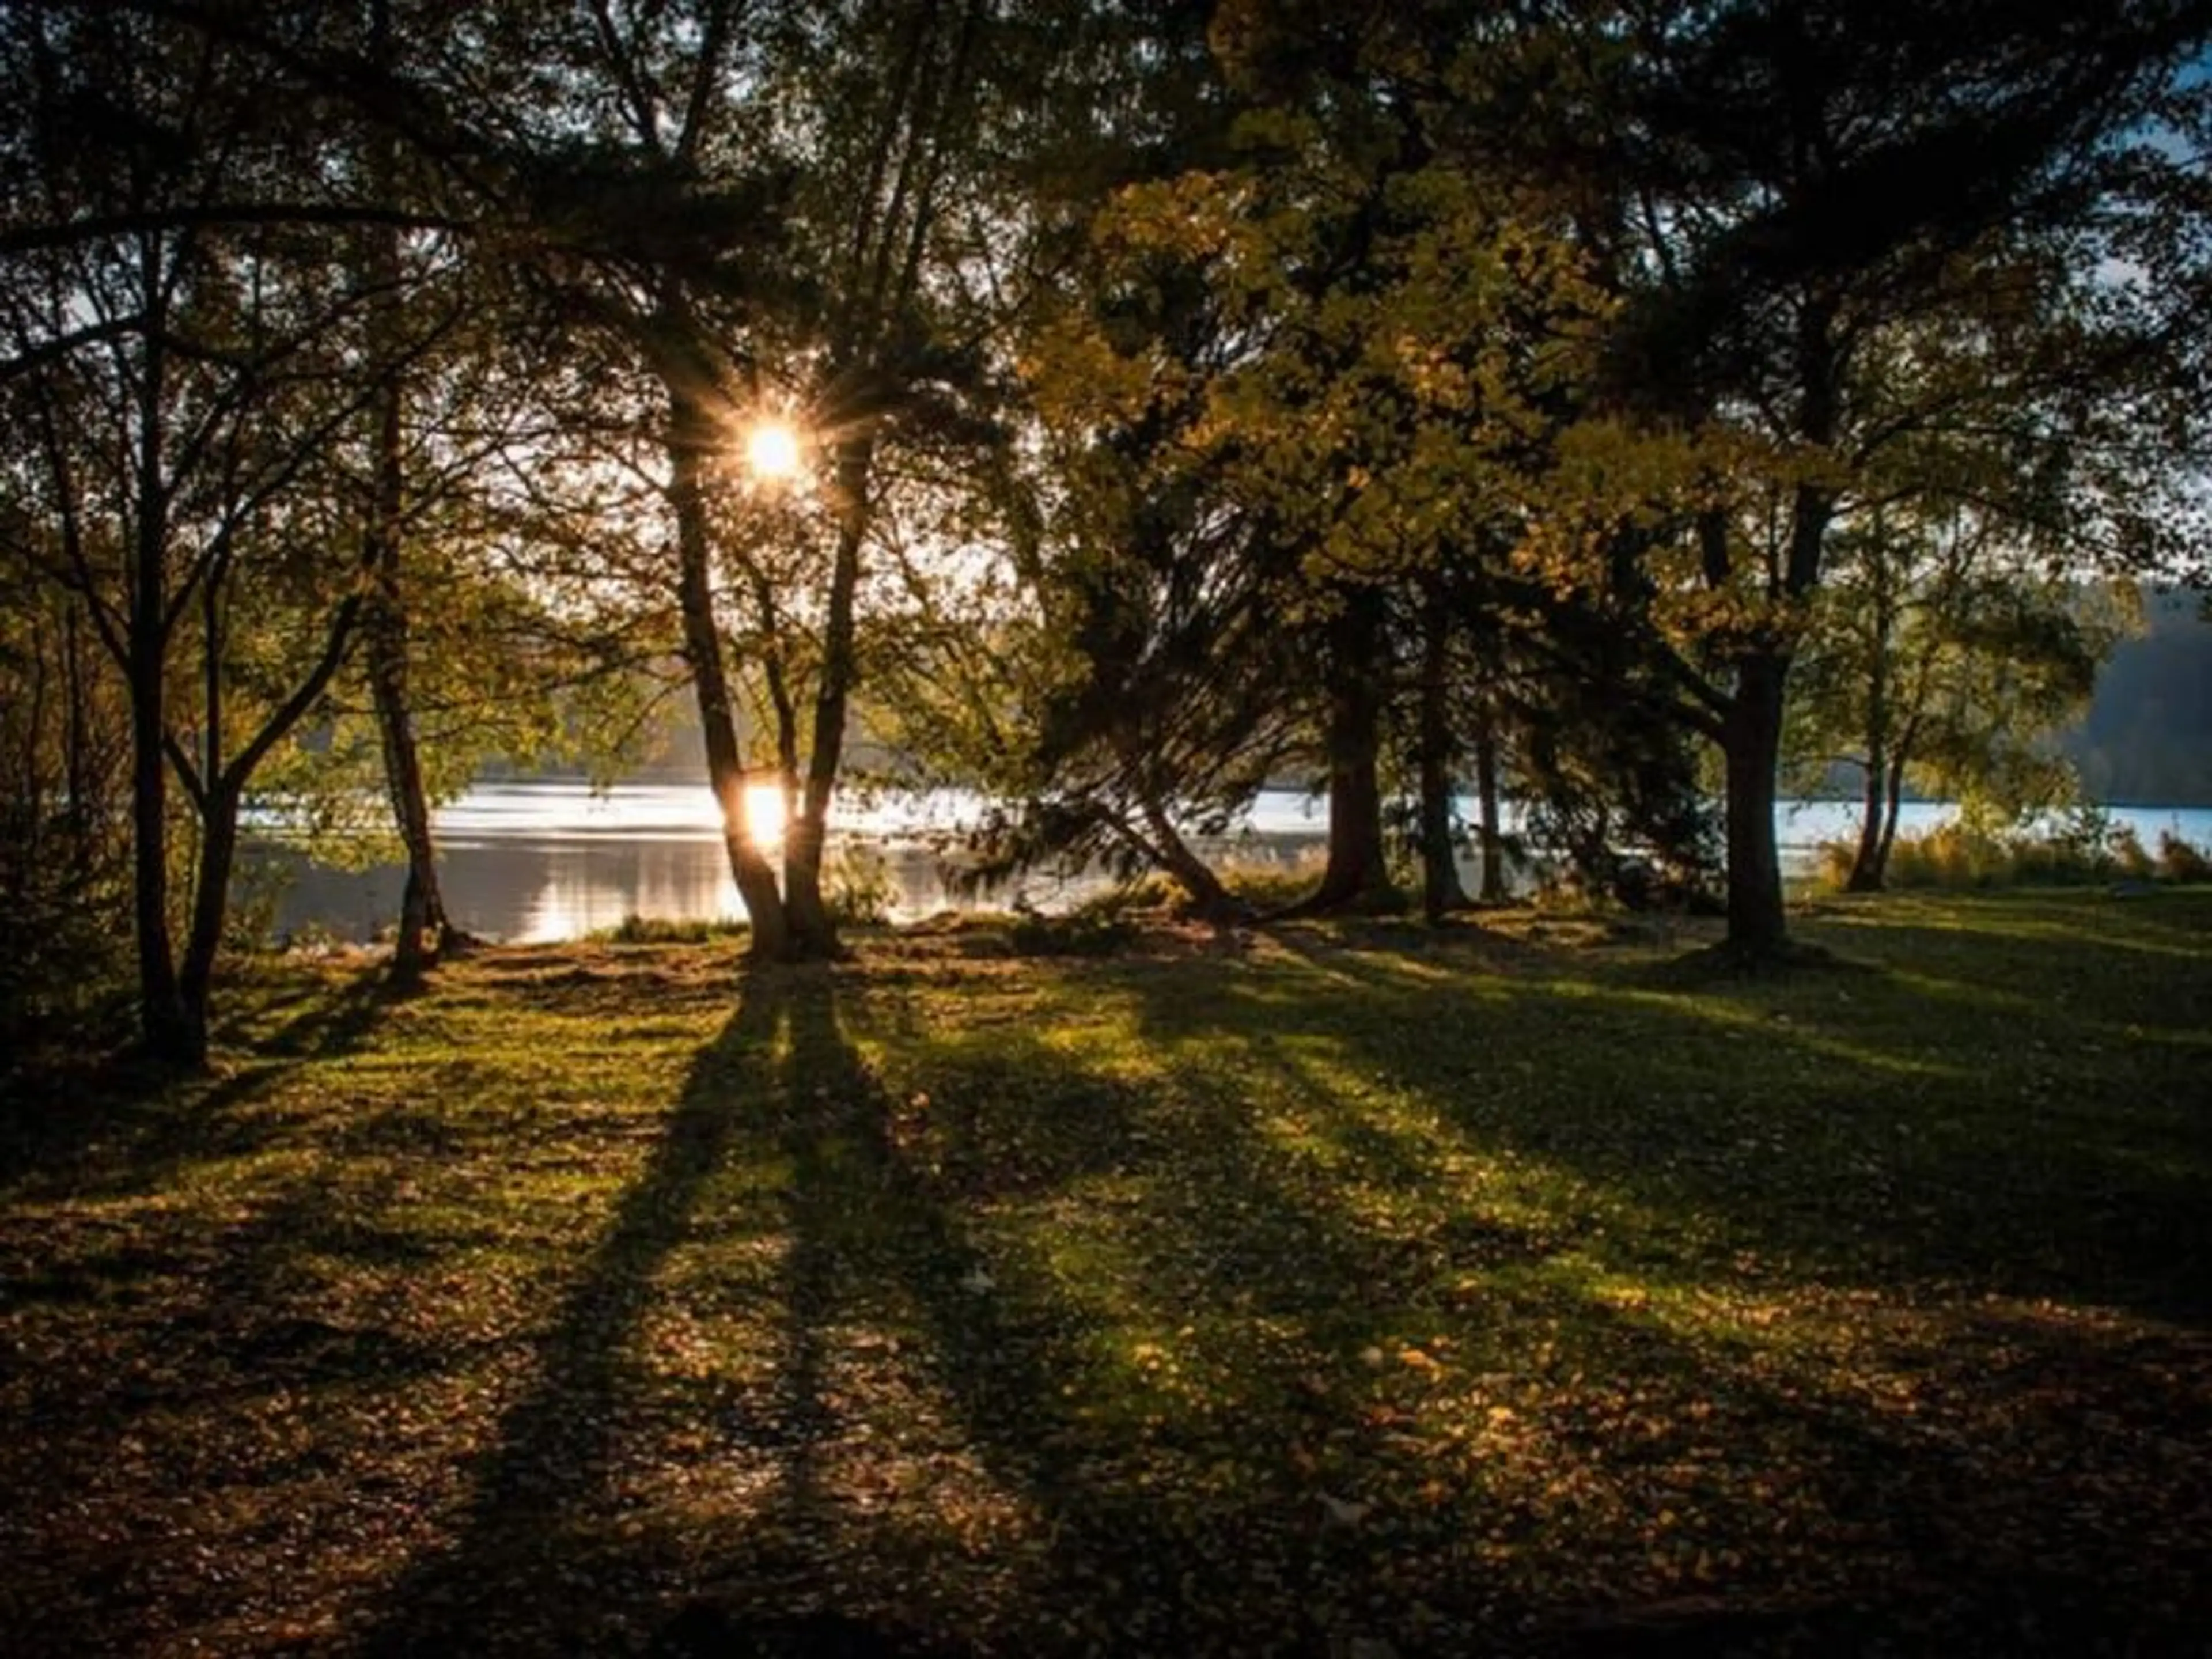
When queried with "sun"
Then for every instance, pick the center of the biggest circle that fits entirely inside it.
(764, 813)
(773, 452)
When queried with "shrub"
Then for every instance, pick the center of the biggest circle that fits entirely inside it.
(858, 888)
(1150, 891)
(66, 977)
(1076, 934)
(1833, 862)
(2084, 847)
(1269, 889)
(257, 893)
(2182, 860)
(65, 980)
(634, 929)
(2131, 860)
(1271, 884)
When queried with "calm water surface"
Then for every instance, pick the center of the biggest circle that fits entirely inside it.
(553, 861)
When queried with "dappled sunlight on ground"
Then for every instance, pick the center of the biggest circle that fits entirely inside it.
(1453, 1292)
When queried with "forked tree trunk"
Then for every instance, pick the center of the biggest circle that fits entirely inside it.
(164, 1029)
(813, 930)
(1894, 791)
(423, 928)
(210, 904)
(423, 925)
(690, 440)
(1868, 859)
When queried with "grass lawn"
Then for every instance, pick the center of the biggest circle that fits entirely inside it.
(1347, 1291)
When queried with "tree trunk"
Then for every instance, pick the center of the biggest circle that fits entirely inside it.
(76, 744)
(1358, 872)
(1752, 730)
(690, 442)
(1752, 741)
(422, 926)
(1895, 793)
(1867, 864)
(1357, 875)
(1867, 861)
(210, 904)
(163, 1023)
(1208, 898)
(1485, 786)
(1441, 893)
(813, 931)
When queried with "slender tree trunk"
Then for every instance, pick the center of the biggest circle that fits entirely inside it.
(1485, 787)
(210, 904)
(1208, 898)
(72, 755)
(163, 1023)
(1752, 741)
(29, 817)
(1441, 893)
(423, 925)
(1867, 861)
(423, 928)
(1867, 864)
(690, 440)
(1894, 792)
(813, 931)
(76, 744)
(160, 1013)
(1357, 875)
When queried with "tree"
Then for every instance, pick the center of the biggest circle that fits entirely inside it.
(652, 187)
(1937, 656)
(1795, 183)
(174, 434)
(887, 346)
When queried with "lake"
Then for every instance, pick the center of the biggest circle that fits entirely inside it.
(543, 861)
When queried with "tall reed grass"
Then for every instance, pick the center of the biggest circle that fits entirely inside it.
(2084, 847)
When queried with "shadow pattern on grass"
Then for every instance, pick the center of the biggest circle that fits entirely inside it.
(1371, 1322)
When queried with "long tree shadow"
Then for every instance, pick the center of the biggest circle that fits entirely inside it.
(2026, 1512)
(1151, 1522)
(968, 1273)
(1973, 1502)
(516, 1573)
(1826, 1124)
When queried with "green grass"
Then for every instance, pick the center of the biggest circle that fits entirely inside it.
(1501, 1288)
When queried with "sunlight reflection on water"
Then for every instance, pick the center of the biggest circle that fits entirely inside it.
(551, 860)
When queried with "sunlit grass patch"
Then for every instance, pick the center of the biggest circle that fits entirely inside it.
(1451, 1293)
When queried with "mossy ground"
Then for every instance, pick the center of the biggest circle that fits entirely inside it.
(1498, 1288)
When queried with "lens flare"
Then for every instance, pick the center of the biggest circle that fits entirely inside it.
(764, 813)
(773, 452)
